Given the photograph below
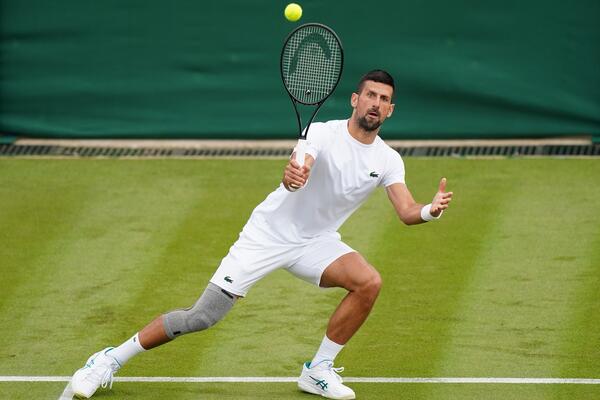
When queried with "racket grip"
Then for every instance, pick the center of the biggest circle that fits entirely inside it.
(301, 151)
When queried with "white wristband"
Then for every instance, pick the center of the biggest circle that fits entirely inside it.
(426, 213)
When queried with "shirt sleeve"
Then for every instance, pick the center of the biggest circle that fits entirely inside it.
(394, 171)
(317, 136)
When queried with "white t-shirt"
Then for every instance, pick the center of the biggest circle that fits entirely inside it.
(344, 174)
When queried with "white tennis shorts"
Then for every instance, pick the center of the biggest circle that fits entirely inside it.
(256, 254)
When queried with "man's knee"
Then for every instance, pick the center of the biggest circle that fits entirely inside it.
(210, 308)
(370, 285)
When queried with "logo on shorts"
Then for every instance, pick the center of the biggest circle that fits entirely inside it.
(373, 174)
(228, 279)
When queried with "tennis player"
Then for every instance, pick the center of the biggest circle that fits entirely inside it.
(295, 228)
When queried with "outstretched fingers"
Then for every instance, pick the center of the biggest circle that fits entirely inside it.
(443, 200)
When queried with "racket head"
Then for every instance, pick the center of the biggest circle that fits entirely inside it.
(312, 60)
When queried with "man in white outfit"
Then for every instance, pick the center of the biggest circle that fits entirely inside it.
(295, 228)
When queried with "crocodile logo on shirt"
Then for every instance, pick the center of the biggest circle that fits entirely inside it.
(373, 174)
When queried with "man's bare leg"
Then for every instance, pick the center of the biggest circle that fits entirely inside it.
(353, 273)
(153, 334)
(208, 310)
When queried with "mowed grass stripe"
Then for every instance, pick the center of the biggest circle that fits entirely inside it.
(581, 341)
(517, 307)
(29, 222)
(40, 202)
(90, 271)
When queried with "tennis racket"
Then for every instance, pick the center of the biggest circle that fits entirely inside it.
(312, 60)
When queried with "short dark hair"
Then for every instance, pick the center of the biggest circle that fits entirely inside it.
(376, 75)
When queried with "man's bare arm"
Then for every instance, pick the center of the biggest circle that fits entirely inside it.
(409, 210)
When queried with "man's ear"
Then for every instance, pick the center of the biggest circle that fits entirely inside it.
(354, 100)
(391, 110)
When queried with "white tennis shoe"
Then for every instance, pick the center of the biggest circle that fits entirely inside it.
(97, 372)
(323, 379)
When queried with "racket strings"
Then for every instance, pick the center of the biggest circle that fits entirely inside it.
(313, 68)
(312, 64)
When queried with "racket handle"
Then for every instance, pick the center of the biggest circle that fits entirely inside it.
(301, 151)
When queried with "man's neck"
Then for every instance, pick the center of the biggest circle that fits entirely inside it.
(358, 133)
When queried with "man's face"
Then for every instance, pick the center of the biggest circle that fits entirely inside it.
(372, 105)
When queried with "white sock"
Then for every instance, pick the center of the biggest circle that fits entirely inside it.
(328, 351)
(127, 350)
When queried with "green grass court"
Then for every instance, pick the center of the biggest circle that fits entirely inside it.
(506, 284)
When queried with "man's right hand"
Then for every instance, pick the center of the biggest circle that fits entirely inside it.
(294, 175)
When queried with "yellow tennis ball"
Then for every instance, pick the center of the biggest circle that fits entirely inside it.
(293, 12)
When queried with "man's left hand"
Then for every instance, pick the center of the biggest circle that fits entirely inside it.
(441, 200)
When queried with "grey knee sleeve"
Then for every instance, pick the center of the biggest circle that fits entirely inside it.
(208, 310)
